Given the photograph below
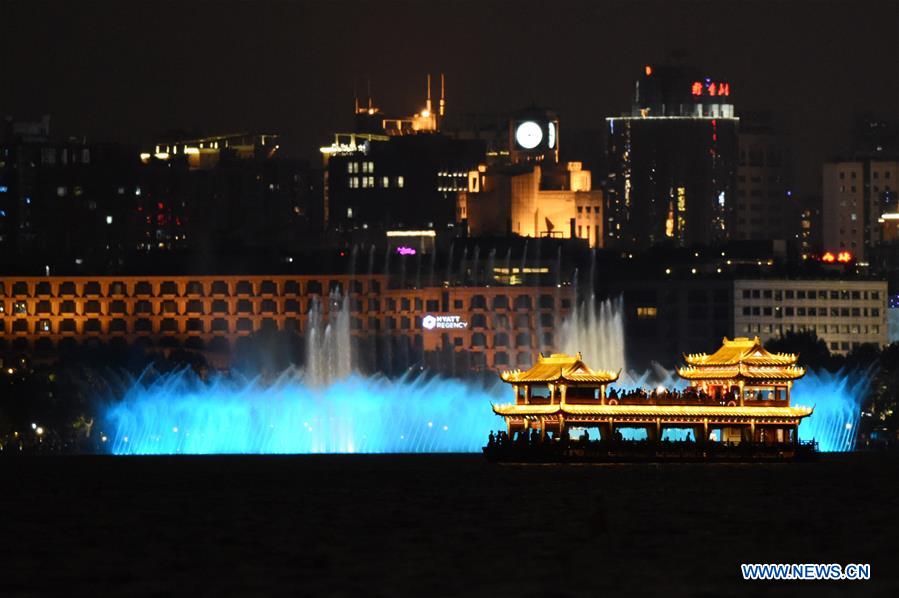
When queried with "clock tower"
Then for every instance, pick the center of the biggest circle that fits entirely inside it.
(534, 136)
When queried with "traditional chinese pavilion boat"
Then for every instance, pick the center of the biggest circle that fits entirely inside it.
(736, 407)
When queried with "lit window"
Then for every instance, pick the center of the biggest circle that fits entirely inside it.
(647, 312)
(354, 182)
(400, 181)
(385, 181)
(349, 212)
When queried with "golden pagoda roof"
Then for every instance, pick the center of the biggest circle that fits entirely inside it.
(711, 411)
(559, 367)
(741, 350)
(740, 370)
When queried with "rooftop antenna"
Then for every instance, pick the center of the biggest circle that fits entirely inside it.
(369, 95)
(428, 106)
(355, 96)
(442, 97)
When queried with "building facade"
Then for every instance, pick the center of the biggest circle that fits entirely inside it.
(843, 313)
(462, 328)
(672, 162)
(404, 181)
(396, 172)
(62, 199)
(856, 196)
(532, 200)
(666, 318)
(764, 206)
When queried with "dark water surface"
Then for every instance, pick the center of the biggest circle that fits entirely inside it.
(438, 525)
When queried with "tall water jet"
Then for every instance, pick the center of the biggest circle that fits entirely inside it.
(329, 350)
(836, 398)
(598, 334)
(179, 414)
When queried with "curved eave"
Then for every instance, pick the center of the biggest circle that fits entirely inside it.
(744, 373)
(525, 409)
(713, 411)
(599, 377)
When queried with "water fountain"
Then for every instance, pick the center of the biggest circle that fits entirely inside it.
(329, 349)
(836, 398)
(179, 414)
(597, 333)
(329, 408)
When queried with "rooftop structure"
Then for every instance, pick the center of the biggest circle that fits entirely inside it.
(744, 367)
(560, 392)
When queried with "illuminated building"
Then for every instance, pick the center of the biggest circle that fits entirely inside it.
(843, 313)
(76, 206)
(396, 173)
(532, 195)
(233, 191)
(204, 153)
(856, 196)
(62, 199)
(810, 207)
(764, 205)
(452, 328)
(675, 314)
(741, 368)
(672, 162)
(533, 200)
(746, 398)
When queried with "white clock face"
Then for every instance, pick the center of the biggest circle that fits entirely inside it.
(529, 134)
(551, 141)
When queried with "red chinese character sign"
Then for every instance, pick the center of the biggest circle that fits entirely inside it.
(843, 257)
(710, 88)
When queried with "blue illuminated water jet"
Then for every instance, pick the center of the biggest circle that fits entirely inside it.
(180, 414)
(836, 398)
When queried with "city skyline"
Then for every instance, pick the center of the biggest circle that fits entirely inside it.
(290, 67)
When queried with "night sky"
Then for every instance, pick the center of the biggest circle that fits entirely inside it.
(128, 71)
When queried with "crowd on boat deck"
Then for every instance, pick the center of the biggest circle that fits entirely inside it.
(533, 437)
(689, 394)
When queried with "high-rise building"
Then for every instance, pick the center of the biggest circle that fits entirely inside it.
(61, 201)
(532, 200)
(224, 191)
(532, 194)
(859, 197)
(764, 207)
(672, 161)
(675, 315)
(396, 173)
(810, 224)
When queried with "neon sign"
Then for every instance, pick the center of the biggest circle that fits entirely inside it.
(430, 322)
(843, 257)
(710, 88)
(403, 250)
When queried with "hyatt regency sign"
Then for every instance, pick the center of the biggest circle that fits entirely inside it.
(430, 322)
